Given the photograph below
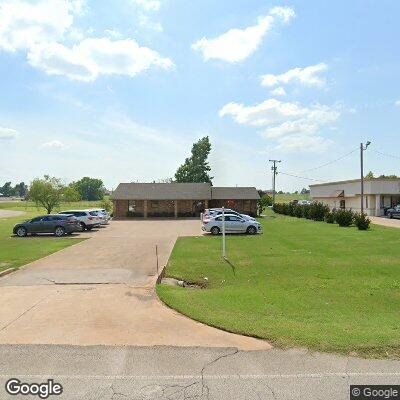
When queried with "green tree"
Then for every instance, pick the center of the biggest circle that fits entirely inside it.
(20, 189)
(369, 176)
(70, 194)
(7, 190)
(46, 192)
(107, 205)
(196, 167)
(90, 188)
(263, 202)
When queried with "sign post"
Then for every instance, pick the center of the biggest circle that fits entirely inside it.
(223, 234)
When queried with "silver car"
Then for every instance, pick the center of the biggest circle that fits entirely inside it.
(233, 224)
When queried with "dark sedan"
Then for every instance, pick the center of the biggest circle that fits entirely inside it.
(393, 212)
(57, 224)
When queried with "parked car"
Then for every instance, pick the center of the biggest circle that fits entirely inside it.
(393, 212)
(57, 224)
(303, 202)
(213, 212)
(103, 214)
(87, 219)
(233, 224)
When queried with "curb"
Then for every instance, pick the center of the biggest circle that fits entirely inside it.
(7, 271)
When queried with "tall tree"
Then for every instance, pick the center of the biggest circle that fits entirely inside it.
(46, 192)
(7, 190)
(90, 188)
(196, 167)
(370, 175)
(20, 189)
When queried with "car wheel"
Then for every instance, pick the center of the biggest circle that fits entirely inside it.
(60, 231)
(21, 232)
(83, 226)
(251, 230)
(390, 215)
(215, 230)
(89, 228)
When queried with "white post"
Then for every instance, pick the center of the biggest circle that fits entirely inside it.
(223, 234)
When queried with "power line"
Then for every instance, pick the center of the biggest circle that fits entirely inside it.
(330, 162)
(300, 177)
(385, 154)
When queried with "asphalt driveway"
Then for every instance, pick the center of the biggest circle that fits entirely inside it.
(101, 291)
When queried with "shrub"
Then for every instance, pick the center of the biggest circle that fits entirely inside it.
(318, 211)
(330, 217)
(298, 211)
(361, 221)
(344, 217)
(306, 211)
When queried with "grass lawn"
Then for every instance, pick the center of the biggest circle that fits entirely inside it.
(288, 197)
(15, 252)
(302, 283)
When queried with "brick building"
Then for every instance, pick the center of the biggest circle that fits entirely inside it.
(180, 199)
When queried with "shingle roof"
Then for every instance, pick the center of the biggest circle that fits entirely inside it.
(234, 193)
(182, 191)
(162, 191)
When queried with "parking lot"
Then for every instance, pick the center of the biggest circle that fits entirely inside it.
(101, 291)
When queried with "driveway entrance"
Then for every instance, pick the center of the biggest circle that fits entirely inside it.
(101, 291)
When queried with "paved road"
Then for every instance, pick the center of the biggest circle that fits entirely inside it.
(393, 223)
(156, 373)
(101, 291)
(10, 213)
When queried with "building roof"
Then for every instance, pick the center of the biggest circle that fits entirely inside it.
(182, 191)
(162, 191)
(357, 180)
(234, 193)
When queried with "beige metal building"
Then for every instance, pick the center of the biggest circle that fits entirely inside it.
(379, 194)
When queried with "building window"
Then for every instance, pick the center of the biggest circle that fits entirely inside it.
(366, 201)
(247, 205)
(154, 204)
(342, 204)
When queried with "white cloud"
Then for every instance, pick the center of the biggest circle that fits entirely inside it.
(23, 24)
(146, 22)
(113, 33)
(8, 134)
(149, 5)
(237, 44)
(308, 76)
(279, 91)
(54, 144)
(94, 57)
(297, 143)
(40, 29)
(282, 121)
(397, 103)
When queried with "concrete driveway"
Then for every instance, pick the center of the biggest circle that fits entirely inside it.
(392, 223)
(101, 291)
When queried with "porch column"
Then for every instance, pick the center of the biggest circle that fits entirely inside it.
(176, 208)
(378, 205)
(145, 208)
(206, 204)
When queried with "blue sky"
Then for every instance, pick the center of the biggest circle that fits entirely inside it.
(120, 90)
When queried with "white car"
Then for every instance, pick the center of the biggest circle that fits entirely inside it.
(304, 202)
(213, 212)
(233, 224)
(103, 214)
(87, 219)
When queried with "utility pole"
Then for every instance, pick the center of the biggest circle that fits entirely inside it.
(274, 169)
(362, 149)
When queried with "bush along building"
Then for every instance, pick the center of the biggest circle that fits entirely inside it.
(180, 199)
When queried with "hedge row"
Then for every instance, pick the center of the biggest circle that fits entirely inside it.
(320, 212)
